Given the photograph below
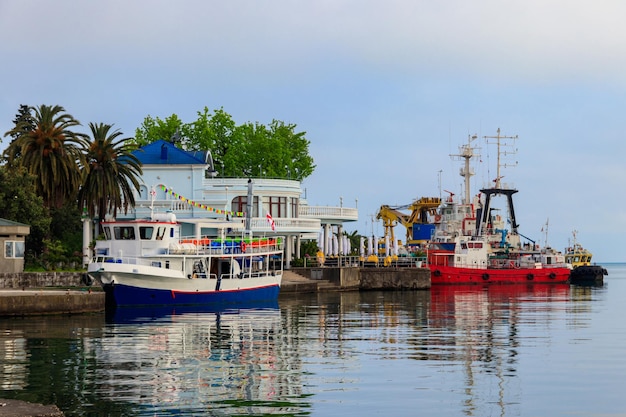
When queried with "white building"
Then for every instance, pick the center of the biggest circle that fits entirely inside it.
(185, 183)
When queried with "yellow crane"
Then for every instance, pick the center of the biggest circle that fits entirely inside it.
(420, 209)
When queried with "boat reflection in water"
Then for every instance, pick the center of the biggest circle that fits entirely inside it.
(190, 359)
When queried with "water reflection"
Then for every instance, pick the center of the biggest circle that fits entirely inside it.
(451, 350)
(195, 359)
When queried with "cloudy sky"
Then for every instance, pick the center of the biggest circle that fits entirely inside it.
(386, 91)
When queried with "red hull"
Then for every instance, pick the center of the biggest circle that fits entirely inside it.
(440, 274)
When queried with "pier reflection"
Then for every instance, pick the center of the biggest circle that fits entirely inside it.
(317, 352)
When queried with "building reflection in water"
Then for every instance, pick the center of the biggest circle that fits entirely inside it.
(455, 340)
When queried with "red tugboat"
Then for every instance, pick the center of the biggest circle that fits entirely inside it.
(488, 253)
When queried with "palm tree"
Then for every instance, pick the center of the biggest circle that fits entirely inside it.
(111, 173)
(50, 151)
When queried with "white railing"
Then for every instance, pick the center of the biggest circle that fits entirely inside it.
(325, 212)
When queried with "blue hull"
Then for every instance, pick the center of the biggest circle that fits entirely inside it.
(147, 314)
(123, 295)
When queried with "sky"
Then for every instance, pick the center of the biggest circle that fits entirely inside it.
(386, 92)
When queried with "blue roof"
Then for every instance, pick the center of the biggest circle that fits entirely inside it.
(163, 152)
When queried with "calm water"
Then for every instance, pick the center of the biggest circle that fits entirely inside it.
(500, 351)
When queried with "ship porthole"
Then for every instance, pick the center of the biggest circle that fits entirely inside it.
(552, 275)
(530, 277)
(437, 273)
(485, 277)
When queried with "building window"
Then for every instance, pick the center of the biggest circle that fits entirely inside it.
(14, 249)
(239, 204)
(278, 206)
(294, 207)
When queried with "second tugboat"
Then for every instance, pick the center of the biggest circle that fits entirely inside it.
(583, 271)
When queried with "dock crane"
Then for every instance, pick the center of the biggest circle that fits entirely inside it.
(420, 209)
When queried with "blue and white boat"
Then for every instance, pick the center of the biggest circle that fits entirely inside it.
(149, 262)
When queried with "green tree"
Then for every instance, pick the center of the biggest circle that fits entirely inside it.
(250, 149)
(153, 129)
(50, 151)
(112, 172)
(19, 202)
(24, 123)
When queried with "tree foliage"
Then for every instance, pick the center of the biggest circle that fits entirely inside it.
(55, 172)
(112, 172)
(50, 150)
(19, 202)
(251, 149)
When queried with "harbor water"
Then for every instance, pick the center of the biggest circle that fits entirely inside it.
(531, 350)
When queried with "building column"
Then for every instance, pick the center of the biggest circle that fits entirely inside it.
(298, 245)
(86, 239)
(327, 240)
(288, 251)
(340, 239)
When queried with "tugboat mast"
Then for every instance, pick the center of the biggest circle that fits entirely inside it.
(501, 153)
(467, 152)
(497, 188)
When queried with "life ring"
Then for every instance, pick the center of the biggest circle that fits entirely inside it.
(243, 246)
(530, 277)
(552, 275)
(485, 277)
(437, 273)
(437, 218)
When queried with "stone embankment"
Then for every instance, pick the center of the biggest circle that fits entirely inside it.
(15, 408)
(299, 280)
(34, 293)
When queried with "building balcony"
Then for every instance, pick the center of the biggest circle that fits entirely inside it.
(331, 215)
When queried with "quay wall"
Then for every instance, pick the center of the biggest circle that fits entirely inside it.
(37, 293)
(358, 278)
(21, 280)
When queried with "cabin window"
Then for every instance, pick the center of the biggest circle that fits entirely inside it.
(124, 233)
(13, 249)
(160, 232)
(107, 233)
(145, 233)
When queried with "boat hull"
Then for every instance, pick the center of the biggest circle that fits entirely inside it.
(124, 285)
(126, 295)
(440, 274)
(588, 274)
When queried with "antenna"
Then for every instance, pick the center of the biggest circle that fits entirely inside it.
(466, 152)
(502, 152)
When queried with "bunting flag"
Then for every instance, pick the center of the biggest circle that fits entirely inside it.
(201, 206)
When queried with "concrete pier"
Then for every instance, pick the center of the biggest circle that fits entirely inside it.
(15, 408)
(50, 301)
(301, 280)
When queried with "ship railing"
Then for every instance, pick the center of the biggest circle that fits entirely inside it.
(207, 246)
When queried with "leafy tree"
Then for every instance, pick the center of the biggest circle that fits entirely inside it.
(153, 129)
(251, 149)
(50, 151)
(24, 123)
(111, 173)
(19, 202)
(67, 228)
